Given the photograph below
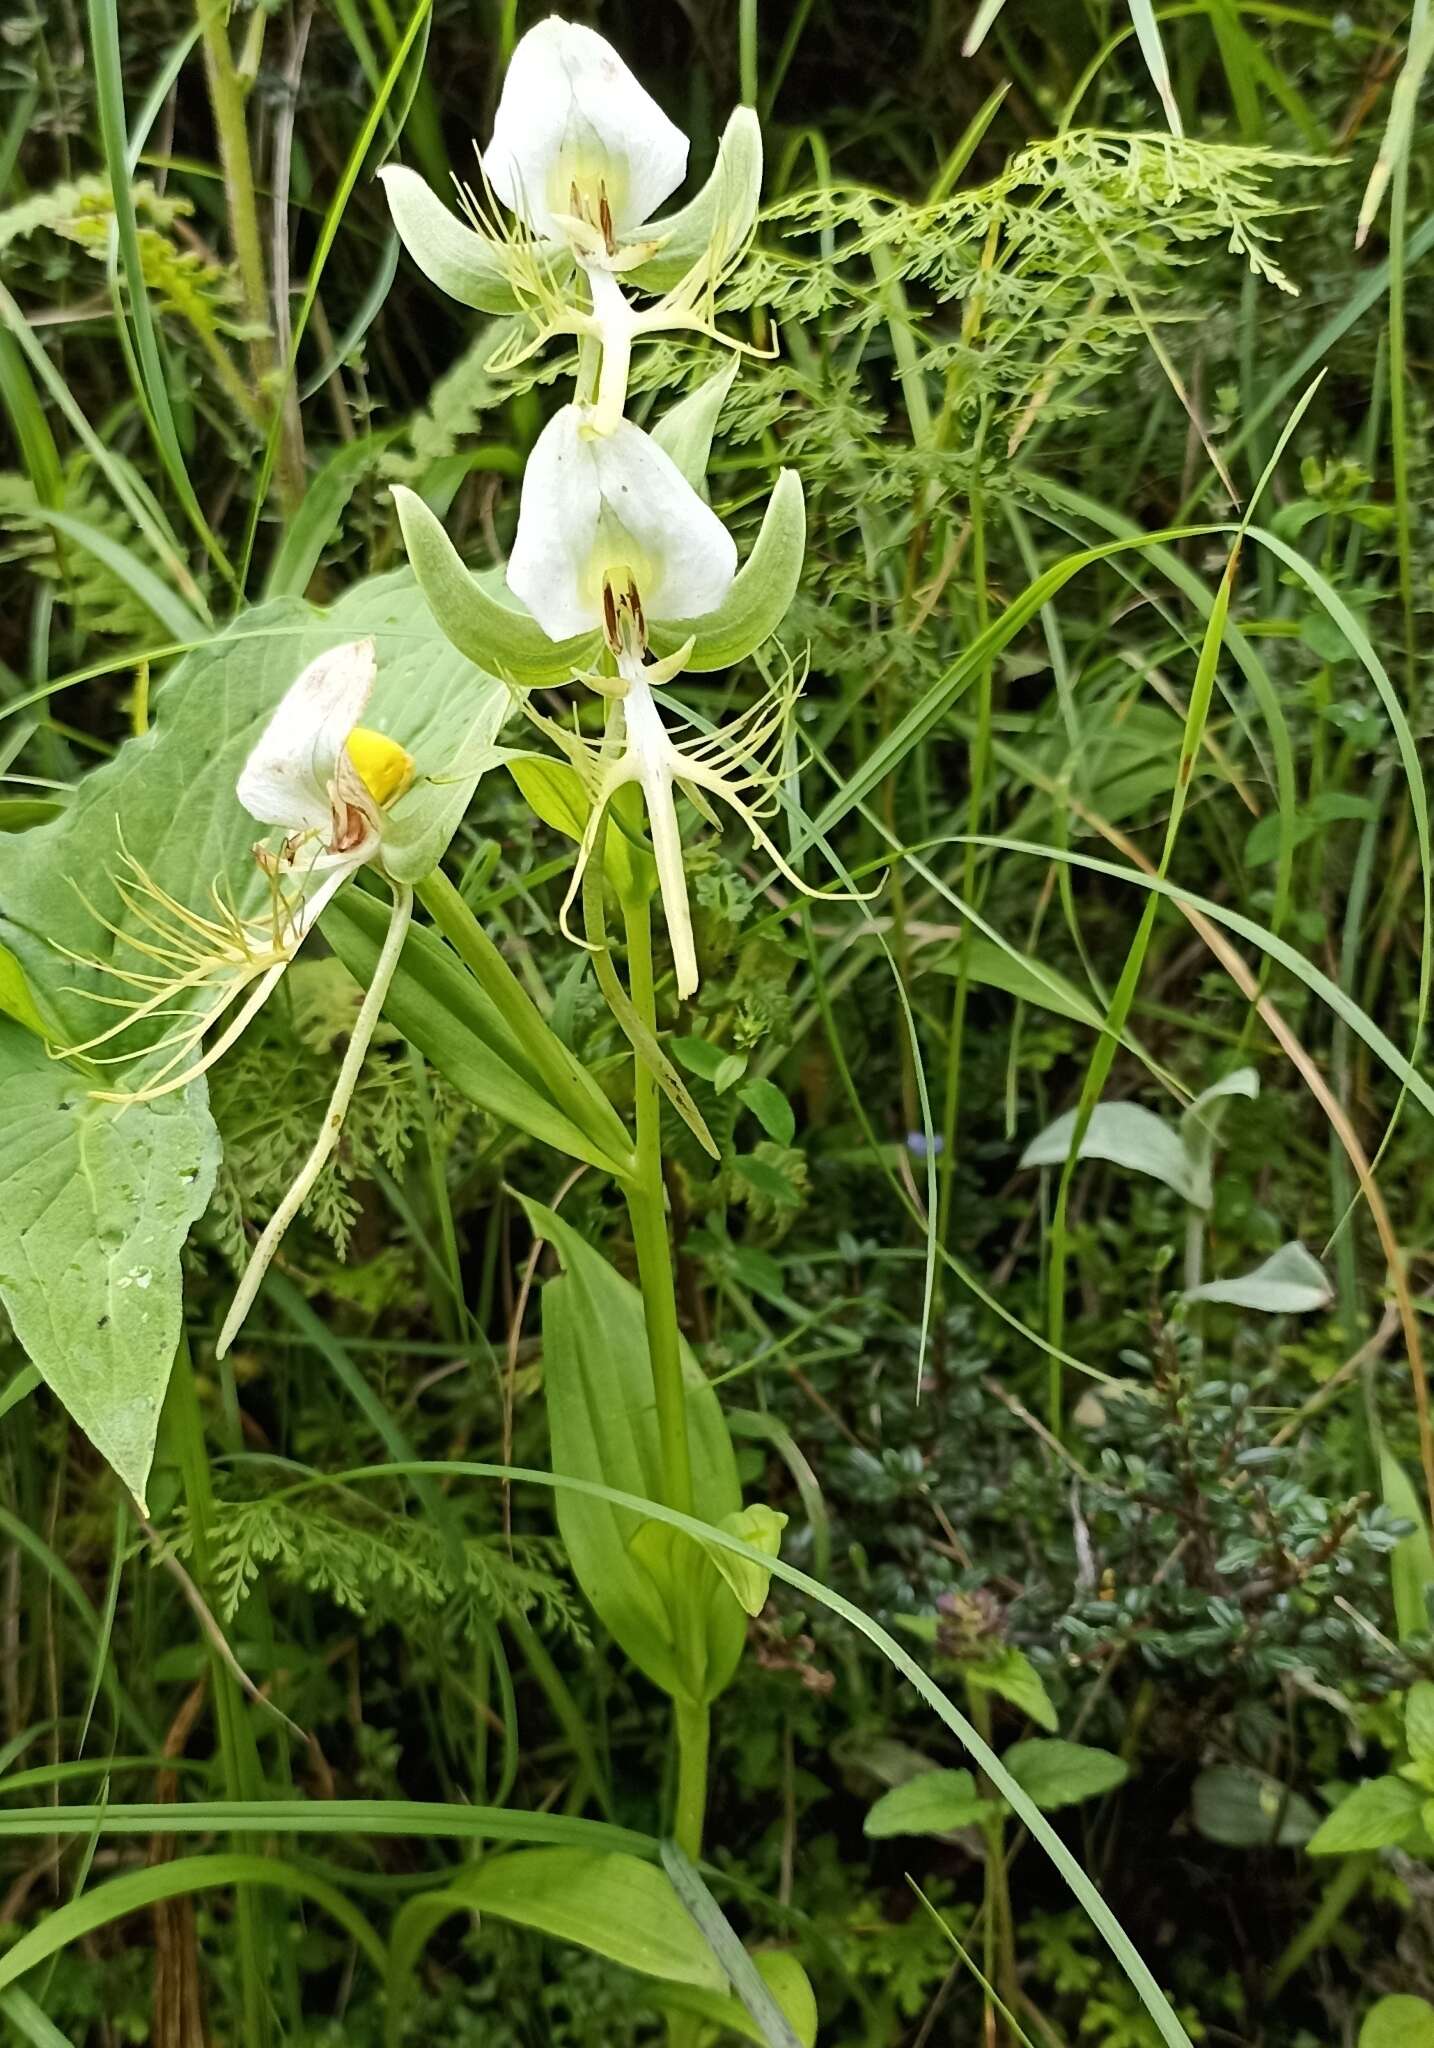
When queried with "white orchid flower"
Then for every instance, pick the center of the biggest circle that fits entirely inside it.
(318, 773)
(327, 781)
(580, 152)
(602, 511)
(611, 534)
(582, 156)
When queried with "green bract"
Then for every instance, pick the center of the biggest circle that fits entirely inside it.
(483, 621)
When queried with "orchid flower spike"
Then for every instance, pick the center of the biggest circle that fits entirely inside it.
(582, 156)
(327, 781)
(611, 534)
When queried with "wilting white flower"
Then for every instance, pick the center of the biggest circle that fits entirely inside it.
(580, 151)
(327, 782)
(606, 511)
(318, 773)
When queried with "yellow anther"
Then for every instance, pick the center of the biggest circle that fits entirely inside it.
(384, 767)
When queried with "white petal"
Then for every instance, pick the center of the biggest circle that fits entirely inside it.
(285, 780)
(595, 502)
(685, 558)
(571, 112)
(558, 520)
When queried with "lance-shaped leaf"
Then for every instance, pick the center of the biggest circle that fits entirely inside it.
(761, 591)
(654, 1590)
(460, 261)
(477, 613)
(95, 1202)
(443, 1011)
(1126, 1135)
(725, 208)
(1289, 1282)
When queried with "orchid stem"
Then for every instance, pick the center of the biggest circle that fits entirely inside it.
(328, 1138)
(647, 1208)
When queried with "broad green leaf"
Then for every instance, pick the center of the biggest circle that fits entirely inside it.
(95, 1202)
(1055, 1773)
(603, 1423)
(167, 799)
(607, 1901)
(1030, 981)
(932, 1803)
(1247, 1809)
(441, 1009)
(685, 430)
(1012, 1674)
(456, 258)
(1419, 1721)
(719, 219)
(1378, 1814)
(1289, 1282)
(761, 592)
(1399, 2021)
(1411, 1562)
(1126, 1135)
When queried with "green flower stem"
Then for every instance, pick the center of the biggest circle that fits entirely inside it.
(559, 1071)
(226, 97)
(647, 1209)
(694, 1722)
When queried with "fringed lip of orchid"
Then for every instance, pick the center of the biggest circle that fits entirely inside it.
(739, 766)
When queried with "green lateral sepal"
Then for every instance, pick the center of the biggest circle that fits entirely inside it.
(725, 208)
(476, 613)
(761, 592)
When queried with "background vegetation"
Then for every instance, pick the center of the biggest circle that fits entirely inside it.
(1176, 786)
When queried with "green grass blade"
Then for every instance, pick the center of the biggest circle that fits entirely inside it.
(152, 386)
(138, 1889)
